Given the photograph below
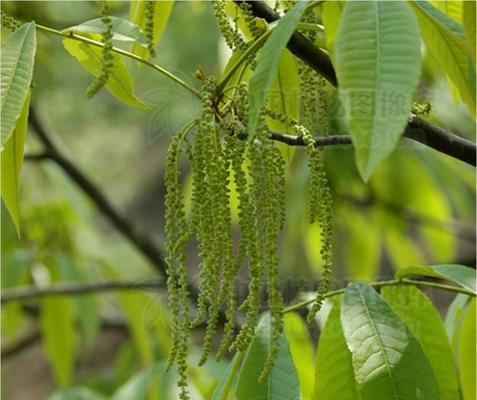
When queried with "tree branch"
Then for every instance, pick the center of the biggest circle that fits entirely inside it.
(417, 129)
(52, 152)
(75, 289)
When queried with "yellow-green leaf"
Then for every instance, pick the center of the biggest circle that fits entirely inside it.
(331, 15)
(299, 340)
(449, 49)
(268, 62)
(469, 25)
(467, 354)
(162, 11)
(58, 333)
(334, 377)
(11, 161)
(283, 98)
(119, 83)
(18, 56)
(452, 8)
(378, 65)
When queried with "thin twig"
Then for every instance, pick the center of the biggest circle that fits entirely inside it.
(75, 289)
(393, 282)
(75, 36)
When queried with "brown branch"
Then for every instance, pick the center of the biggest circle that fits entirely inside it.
(417, 129)
(76, 289)
(143, 243)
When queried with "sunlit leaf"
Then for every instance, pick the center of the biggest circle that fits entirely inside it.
(58, 333)
(18, 57)
(283, 379)
(137, 387)
(122, 29)
(378, 65)
(454, 318)
(425, 323)
(301, 348)
(331, 15)
(453, 8)
(268, 62)
(11, 161)
(467, 354)
(387, 359)
(77, 393)
(459, 274)
(448, 48)
(334, 376)
(119, 83)
(284, 99)
(469, 25)
(162, 11)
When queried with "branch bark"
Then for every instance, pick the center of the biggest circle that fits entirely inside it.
(143, 243)
(417, 129)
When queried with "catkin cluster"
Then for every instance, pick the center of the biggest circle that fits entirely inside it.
(107, 57)
(315, 115)
(222, 155)
(149, 27)
(230, 32)
(9, 22)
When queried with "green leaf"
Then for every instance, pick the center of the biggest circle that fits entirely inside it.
(448, 48)
(301, 348)
(123, 30)
(331, 16)
(133, 305)
(77, 393)
(86, 305)
(284, 99)
(223, 389)
(387, 359)
(425, 323)
(454, 318)
(467, 354)
(58, 333)
(162, 11)
(469, 26)
(137, 387)
(283, 379)
(268, 62)
(12, 161)
(119, 83)
(334, 376)
(459, 274)
(452, 8)
(18, 57)
(378, 65)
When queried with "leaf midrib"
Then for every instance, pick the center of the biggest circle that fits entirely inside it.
(15, 70)
(381, 344)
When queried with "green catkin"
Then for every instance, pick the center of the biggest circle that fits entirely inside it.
(107, 57)
(149, 27)
(321, 210)
(250, 20)
(231, 34)
(177, 234)
(9, 22)
(275, 167)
